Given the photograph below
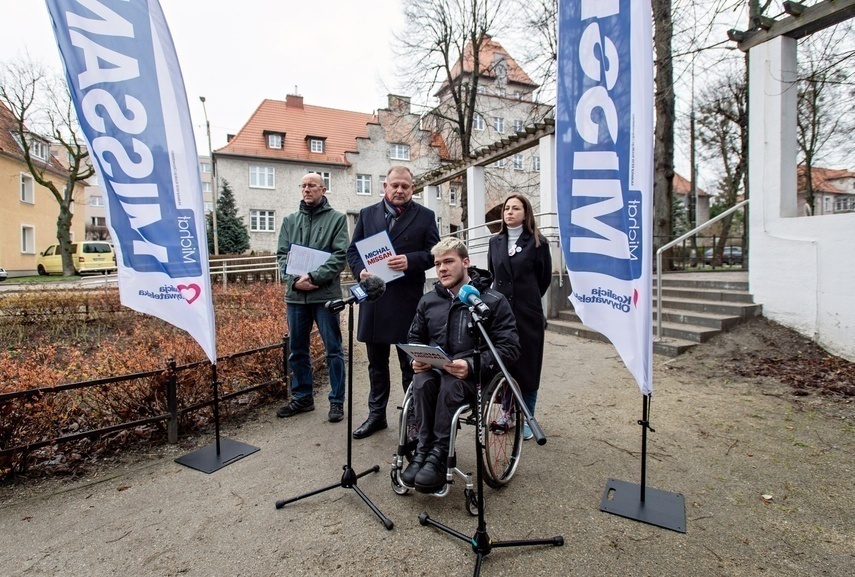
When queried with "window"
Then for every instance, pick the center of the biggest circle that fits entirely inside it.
(500, 91)
(535, 163)
(28, 239)
(518, 161)
(206, 167)
(519, 125)
(209, 207)
(206, 187)
(316, 145)
(262, 220)
(363, 184)
(477, 122)
(96, 200)
(39, 149)
(499, 163)
(28, 193)
(399, 152)
(827, 204)
(324, 175)
(452, 195)
(438, 193)
(481, 89)
(261, 177)
(518, 95)
(274, 141)
(499, 124)
(99, 221)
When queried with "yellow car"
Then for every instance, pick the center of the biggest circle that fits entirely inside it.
(87, 256)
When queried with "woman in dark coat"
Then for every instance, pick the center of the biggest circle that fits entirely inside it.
(521, 264)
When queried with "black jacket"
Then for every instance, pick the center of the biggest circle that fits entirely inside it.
(388, 319)
(443, 321)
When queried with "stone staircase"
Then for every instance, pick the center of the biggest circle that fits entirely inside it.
(695, 308)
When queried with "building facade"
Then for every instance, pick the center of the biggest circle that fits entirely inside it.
(30, 211)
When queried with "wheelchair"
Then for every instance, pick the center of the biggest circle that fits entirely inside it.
(502, 440)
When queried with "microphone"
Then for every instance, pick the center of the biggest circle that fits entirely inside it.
(369, 289)
(470, 295)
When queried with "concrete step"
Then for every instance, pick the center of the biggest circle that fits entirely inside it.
(681, 331)
(713, 295)
(717, 284)
(741, 310)
(711, 320)
(667, 347)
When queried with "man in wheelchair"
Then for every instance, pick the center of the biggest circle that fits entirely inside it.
(443, 320)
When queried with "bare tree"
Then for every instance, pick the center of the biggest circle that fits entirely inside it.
(40, 102)
(663, 147)
(723, 135)
(825, 102)
(440, 51)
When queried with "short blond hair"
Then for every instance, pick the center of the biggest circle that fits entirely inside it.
(448, 244)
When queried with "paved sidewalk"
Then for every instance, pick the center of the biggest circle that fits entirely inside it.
(724, 445)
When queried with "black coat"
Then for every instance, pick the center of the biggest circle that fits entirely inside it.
(443, 321)
(388, 319)
(523, 278)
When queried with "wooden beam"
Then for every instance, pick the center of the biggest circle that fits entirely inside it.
(813, 19)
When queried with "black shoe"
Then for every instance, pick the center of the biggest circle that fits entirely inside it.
(336, 412)
(431, 476)
(408, 477)
(369, 427)
(296, 406)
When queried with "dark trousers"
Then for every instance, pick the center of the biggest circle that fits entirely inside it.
(378, 374)
(437, 396)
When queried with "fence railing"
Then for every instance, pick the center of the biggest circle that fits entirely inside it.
(167, 378)
(249, 268)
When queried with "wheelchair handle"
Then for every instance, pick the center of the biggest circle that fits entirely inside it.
(536, 431)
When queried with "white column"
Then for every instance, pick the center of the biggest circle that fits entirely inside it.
(549, 196)
(476, 206)
(429, 198)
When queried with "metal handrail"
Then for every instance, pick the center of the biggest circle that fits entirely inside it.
(676, 241)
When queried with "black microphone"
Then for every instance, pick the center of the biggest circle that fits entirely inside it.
(369, 289)
(469, 294)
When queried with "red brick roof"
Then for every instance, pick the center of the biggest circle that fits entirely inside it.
(10, 147)
(684, 187)
(339, 130)
(821, 178)
(485, 62)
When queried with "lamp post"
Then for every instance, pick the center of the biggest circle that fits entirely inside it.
(213, 179)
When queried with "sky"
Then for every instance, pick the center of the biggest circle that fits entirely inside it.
(236, 53)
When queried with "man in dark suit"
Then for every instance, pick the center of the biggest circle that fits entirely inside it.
(382, 324)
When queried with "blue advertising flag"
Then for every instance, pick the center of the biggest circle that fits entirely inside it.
(604, 164)
(127, 89)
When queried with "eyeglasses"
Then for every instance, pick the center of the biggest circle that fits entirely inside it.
(309, 185)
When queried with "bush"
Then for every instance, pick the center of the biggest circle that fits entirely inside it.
(53, 337)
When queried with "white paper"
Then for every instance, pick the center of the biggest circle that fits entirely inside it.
(433, 356)
(302, 260)
(375, 252)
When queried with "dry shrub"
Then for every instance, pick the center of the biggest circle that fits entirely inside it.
(53, 337)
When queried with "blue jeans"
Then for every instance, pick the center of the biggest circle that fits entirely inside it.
(300, 320)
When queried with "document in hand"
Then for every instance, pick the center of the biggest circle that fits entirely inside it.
(433, 356)
(375, 251)
(303, 260)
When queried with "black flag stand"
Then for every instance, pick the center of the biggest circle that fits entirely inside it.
(640, 503)
(349, 477)
(224, 451)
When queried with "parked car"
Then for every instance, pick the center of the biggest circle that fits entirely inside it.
(730, 255)
(87, 256)
(3, 274)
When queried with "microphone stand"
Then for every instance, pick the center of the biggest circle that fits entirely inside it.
(481, 543)
(349, 477)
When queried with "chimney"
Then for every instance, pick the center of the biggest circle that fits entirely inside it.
(229, 137)
(293, 101)
(399, 104)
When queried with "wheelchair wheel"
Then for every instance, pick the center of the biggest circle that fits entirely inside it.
(503, 431)
(471, 496)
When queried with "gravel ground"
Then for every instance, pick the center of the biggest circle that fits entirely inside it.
(766, 476)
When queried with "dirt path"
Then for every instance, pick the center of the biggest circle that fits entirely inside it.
(767, 479)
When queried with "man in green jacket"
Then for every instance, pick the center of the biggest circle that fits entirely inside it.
(315, 225)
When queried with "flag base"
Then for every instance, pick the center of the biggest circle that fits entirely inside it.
(660, 508)
(213, 458)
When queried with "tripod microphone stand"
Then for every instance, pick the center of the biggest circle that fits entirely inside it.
(349, 477)
(481, 543)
